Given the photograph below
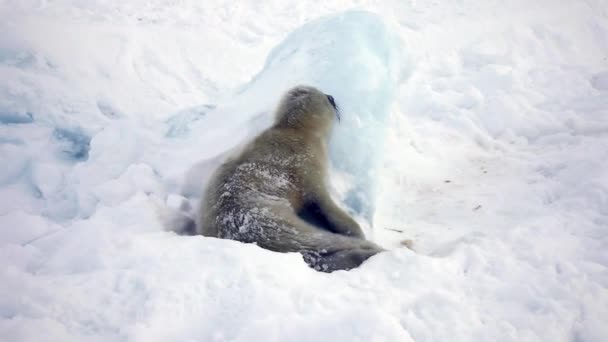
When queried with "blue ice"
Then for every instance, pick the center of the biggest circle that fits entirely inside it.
(73, 143)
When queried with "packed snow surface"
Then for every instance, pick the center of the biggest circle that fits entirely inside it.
(478, 129)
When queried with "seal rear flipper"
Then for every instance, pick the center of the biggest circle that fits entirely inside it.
(342, 260)
(322, 250)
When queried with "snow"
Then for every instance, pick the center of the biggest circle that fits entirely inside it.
(484, 125)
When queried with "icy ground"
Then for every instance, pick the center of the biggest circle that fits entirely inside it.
(493, 158)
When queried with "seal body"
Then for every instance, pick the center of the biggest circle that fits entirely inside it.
(274, 192)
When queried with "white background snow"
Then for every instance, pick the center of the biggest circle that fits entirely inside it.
(493, 159)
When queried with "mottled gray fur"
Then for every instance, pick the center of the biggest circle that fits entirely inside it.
(274, 192)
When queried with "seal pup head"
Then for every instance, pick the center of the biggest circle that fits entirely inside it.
(305, 107)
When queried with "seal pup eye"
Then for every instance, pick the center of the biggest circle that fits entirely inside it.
(332, 101)
(333, 104)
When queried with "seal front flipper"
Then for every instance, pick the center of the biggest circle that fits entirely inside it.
(321, 211)
(311, 213)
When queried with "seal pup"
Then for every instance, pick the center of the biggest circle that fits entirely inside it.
(274, 192)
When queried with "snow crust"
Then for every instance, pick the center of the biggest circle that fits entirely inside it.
(484, 126)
